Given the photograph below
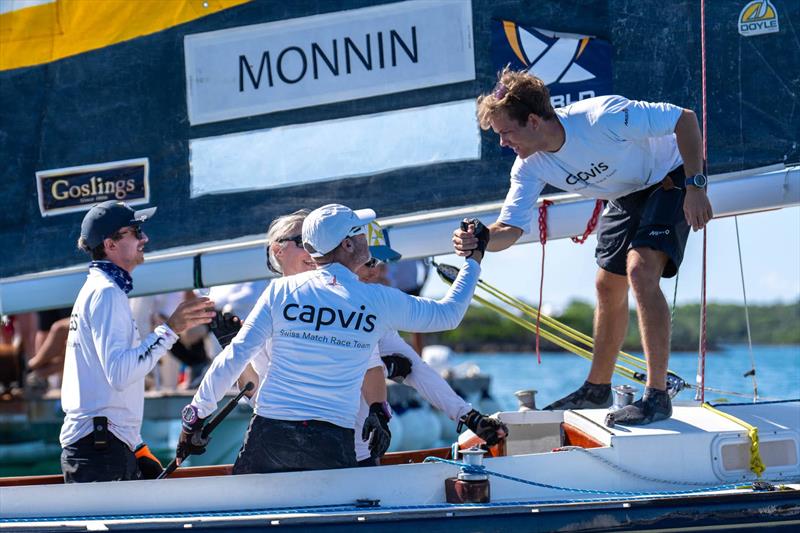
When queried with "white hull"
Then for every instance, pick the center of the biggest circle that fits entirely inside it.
(694, 450)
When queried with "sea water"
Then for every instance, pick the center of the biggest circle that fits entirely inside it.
(777, 373)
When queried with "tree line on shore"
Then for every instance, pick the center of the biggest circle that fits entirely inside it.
(484, 330)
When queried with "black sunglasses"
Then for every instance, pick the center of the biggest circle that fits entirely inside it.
(373, 262)
(297, 239)
(136, 231)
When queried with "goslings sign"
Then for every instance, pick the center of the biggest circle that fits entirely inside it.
(327, 58)
(66, 190)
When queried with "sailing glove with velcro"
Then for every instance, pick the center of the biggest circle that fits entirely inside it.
(225, 326)
(191, 441)
(149, 465)
(485, 427)
(480, 231)
(398, 366)
(376, 429)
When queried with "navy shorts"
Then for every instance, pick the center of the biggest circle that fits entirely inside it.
(290, 445)
(650, 218)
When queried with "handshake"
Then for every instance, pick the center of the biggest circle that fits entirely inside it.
(471, 239)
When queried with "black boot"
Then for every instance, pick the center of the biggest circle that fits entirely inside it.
(589, 396)
(655, 405)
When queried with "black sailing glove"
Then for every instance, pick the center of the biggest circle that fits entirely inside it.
(149, 465)
(398, 366)
(481, 232)
(225, 326)
(484, 426)
(191, 441)
(377, 425)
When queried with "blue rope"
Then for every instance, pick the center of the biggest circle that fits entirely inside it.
(473, 469)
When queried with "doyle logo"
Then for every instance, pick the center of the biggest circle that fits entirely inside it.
(326, 316)
(758, 17)
(65, 190)
(586, 175)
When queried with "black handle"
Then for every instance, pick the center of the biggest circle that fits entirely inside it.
(214, 422)
(225, 411)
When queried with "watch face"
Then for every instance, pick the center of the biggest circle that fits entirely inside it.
(698, 180)
(189, 414)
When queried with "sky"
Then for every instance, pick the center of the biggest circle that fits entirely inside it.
(770, 243)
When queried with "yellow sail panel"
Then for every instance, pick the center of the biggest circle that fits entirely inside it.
(48, 32)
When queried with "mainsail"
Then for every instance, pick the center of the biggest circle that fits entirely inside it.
(228, 113)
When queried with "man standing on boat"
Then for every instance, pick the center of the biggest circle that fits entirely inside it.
(645, 160)
(394, 358)
(322, 326)
(106, 362)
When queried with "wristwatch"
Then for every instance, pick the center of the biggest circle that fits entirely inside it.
(698, 180)
(189, 416)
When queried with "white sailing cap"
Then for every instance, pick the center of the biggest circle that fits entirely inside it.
(326, 227)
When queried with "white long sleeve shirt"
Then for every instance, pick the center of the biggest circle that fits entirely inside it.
(323, 325)
(612, 147)
(424, 379)
(105, 362)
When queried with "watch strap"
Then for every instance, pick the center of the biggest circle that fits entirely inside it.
(697, 180)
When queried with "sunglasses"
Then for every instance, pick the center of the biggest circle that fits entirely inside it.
(136, 232)
(297, 239)
(356, 230)
(373, 262)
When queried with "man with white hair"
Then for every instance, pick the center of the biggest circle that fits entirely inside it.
(323, 325)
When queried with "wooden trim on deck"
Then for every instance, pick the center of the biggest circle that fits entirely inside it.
(394, 458)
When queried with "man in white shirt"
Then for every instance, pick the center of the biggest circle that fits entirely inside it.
(106, 362)
(393, 359)
(322, 325)
(287, 257)
(645, 159)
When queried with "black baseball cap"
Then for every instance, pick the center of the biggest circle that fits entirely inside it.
(104, 219)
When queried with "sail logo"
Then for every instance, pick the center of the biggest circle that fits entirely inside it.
(757, 18)
(574, 67)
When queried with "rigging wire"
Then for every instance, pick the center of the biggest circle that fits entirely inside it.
(752, 371)
(701, 370)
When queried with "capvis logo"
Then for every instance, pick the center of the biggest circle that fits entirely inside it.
(585, 175)
(758, 17)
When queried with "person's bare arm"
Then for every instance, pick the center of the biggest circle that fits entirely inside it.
(248, 375)
(373, 389)
(696, 206)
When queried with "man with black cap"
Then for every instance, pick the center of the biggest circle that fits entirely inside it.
(322, 326)
(106, 361)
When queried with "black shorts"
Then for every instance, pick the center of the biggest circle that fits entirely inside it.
(650, 218)
(290, 445)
